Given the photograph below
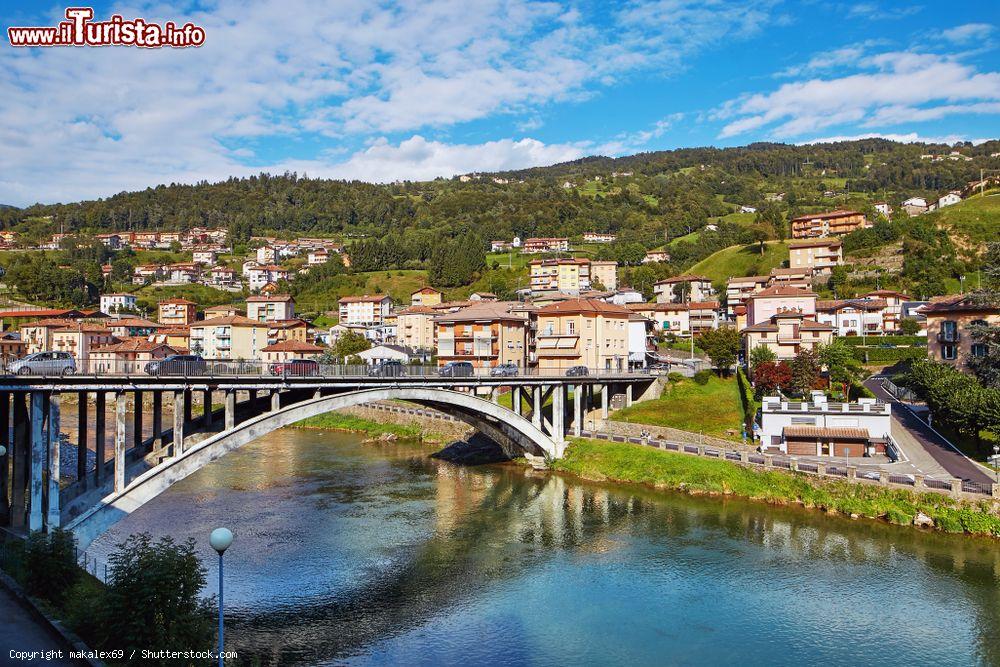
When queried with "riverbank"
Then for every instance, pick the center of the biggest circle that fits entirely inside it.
(379, 424)
(628, 463)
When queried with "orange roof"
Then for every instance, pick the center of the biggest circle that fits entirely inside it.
(50, 322)
(815, 243)
(781, 290)
(231, 320)
(427, 289)
(293, 323)
(584, 307)
(292, 346)
(417, 309)
(824, 216)
(41, 312)
(657, 307)
(687, 278)
(266, 298)
(177, 301)
(376, 298)
(822, 432)
(134, 345)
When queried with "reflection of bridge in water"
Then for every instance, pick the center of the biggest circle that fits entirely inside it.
(543, 411)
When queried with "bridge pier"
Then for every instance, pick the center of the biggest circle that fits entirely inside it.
(206, 402)
(275, 400)
(81, 438)
(100, 417)
(120, 440)
(604, 400)
(157, 420)
(515, 400)
(536, 414)
(19, 464)
(578, 390)
(230, 409)
(52, 519)
(39, 408)
(137, 419)
(188, 396)
(180, 408)
(558, 430)
(5, 459)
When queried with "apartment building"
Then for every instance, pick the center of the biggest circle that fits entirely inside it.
(704, 316)
(569, 276)
(819, 428)
(832, 223)
(539, 245)
(487, 334)
(271, 307)
(259, 277)
(204, 256)
(599, 237)
(112, 304)
(853, 317)
(786, 333)
(37, 335)
(671, 290)
(674, 318)
(604, 272)
(653, 256)
(738, 290)
(176, 312)
(367, 310)
(318, 256)
(426, 296)
(79, 338)
(949, 320)
(415, 327)
(763, 305)
(232, 337)
(893, 313)
(582, 332)
(818, 255)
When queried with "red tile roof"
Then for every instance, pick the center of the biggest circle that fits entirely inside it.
(293, 346)
(584, 307)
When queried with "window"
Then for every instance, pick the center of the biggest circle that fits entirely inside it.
(949, 330)
(948, 352)
(979, 349)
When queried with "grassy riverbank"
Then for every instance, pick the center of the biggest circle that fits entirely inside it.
(345, 422)
(621, 462)
(714, 408)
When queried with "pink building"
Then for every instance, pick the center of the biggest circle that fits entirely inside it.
(767, 303)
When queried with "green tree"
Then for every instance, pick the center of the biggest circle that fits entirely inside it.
(841, 365)
(349, 344)
(805, 372)
(760, 355)
(909, 326)
(722, 345)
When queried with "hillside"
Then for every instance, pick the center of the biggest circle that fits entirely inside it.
(741, 260)
(977, 218)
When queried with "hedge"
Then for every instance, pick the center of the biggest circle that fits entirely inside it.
(875, 341)
(746, 397)
(888, 355)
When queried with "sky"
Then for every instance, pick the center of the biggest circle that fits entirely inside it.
(380, 91)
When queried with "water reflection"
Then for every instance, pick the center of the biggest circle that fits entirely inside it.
(375, 554)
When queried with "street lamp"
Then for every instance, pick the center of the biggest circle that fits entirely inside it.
(996, 462)
(220, 540)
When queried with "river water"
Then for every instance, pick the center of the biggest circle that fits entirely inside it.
(365, 554)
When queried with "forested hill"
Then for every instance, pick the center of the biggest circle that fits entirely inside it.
(649, 198)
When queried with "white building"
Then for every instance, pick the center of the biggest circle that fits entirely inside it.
(319, 256)
(267, 255)
(638, 340)
(205, 257)
(853, 317)
(884, 209)
(259, 276)
(367, 310)
(387, 352)
(819, 428)
(949, 199)
(114, 303)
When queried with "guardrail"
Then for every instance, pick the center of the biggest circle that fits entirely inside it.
(209, 368)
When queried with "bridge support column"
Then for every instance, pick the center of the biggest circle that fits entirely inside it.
(137, 420)
(230, 409)
(81, 439)
(19, 464)
(252, 399)
(5, 459)
(38, 447)
(52, 520)
(628, 395)
(605, 388)
(275, 400)
(100, 416)
(558, 413)
(578, 391)
(180, 404)
(515, 400)
(206, 401)
(157, 419)
(121, 403)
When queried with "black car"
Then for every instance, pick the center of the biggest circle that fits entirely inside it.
(457, 369)
(577, 371)
(388, 368)
(178, 364)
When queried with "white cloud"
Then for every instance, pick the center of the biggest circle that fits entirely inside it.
(968, 32)
(892, 88)
(908, 138)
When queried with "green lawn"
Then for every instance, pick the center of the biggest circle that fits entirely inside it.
(203, 295)
(712, 409)
(744, 219)
(692, 237)
(977, 218)
(397, 284)
(738, 261)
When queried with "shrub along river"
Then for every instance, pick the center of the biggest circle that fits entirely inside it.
(358, 553)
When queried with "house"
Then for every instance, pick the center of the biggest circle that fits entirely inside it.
(415, 327)
(222, 276)
(763, 305)
(499, 246)
(318, 256)
(704, 316)
(949, 318)
(220, 311)
(367, 310)
(387, 352)
(599, 237)
(112, 304)
(182, 273)
(949, 199)
(176, 312)
(747, 209)
(133, 327)
(853, 317)
(893, 313)
(231, 337)
(624, 296)
(37, 335)
(483, 296)
(582, 332)
(426, 296)
(178, 337)
(204, 256)
(883, 209)
(605, 273)
(148, 273)
(800, 278)
(569, 275)
(671, 290)
(132, 354)
(487, 334)
(786, 333)
(286, 350)
(270, 307)
(259, 277)
(292, 329)
(267, 254)
(739, 289)
(11, 346)
(915, 206)
(832, 223)
(538, 245)
(656, 256)
(819, 428)
(819, 255)
(674, 318)
(639, 345)
(80, 338)
(112, 241)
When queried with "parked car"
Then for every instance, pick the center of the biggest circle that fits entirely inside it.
(388, 368)
(44, 363)
(504, 370)
(178, 364)
(300, 367)
(659, 369)
(457, 369)
(577, 371)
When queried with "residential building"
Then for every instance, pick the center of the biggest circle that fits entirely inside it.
(267, 254)
(483, 296)
(604, 272)
(80, 338)
(37, 335)
(738, 290)
(538, 245)
(177, 312)
(624, 296)
(582, 332)
(286, 350)
(853, 317)
(499, 246)
(111, 304)
(833, 223)
(639, 343)
(818, 255)
(132, 354)
(819, 428)
(674, 318)
(132, 327)
(599, 237)
(569, 275)
(367, 310)
(656, 256)
(893, 313)
(763, 305)
(182, 273)
(222, 276)
(949, 199)
(270, 307)
(11, 346)
(148, 273)
(318, 256)
(389, 352)
(883, 209)
(800, 278)
(704, 316)
(293, 329)
(672, 290)
(485, 334)
(259, 277)
(415, 327)
(221, 311)
(204, 256)
(949, 319)
(915, 206)
(178, 337)
(786, 333)
(426, 296)
(232, 337)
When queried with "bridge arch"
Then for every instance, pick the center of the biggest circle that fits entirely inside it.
(492, 419)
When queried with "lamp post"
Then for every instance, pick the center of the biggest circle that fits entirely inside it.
(996, 462)
(220, 540)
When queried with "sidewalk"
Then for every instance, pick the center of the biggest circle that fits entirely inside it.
(20, 631)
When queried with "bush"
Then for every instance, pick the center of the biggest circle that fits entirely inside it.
(875, 341)
(702, 377)
(888, 355)
(50, 561)
(675, 377)
(909, 326)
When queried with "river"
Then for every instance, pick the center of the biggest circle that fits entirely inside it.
(375, 554)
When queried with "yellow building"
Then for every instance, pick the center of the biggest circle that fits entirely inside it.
(569, 276)
(232, 337)
(425, 296)
(486, 334)
(605, 273)
(177, 312)
(37, 335)
(582, 332)
(820, 255)
(415, 327)
(290, 349)
(271, 307)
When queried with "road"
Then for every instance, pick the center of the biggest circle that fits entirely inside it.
(920, 436)
(19, 631)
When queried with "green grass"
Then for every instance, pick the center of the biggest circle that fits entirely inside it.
(977, 218)
(712, 409)
(623, 462)
(345, 422)
(682, 346)
(738, 261)
(742, 219)
(203, 295)
(397, 284)
(691, 238)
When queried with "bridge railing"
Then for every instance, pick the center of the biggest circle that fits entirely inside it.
(198, 368)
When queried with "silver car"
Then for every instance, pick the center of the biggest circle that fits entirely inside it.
(44, 363)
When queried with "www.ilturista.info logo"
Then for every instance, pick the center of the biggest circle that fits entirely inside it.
(80, 30)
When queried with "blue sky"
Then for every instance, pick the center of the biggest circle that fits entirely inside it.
(418, 89)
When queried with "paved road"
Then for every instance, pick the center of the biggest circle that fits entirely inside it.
(19, 631)
(920, 434)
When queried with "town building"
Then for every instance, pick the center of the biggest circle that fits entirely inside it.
(786, 333)
(415, 327)
(486, 334)
(148, 273)
(673, 318)
(130, 327)
(367, 310)
(801, 278)
(130, 355)
(624, 296)
(763, 305)
(221, 311)
(318, 256)
(949, 199)
(639, 344)
(176, 312)
(539, 245)
(204, 256)
(267, 254)
(79, 339)
(672, 290)
(222, 276)
(893, 313)
(704, 316)
(182, 273)
(37, 335)
(915, 206)
(271, 307)
(499, 246)
(390, 352)
(949, 322)
(605, 273)
(818, 255)
(833, 223)
(819, 428)
(582, 332)
(233, 337)
(292, 329)
(569, 275)
(259, 277)
(483, 296)
(112, 304)
(426, 296)
(853, 317)
(286, 350)
(656, 256)
(599, 237)
(883, 209)
(738, 290)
